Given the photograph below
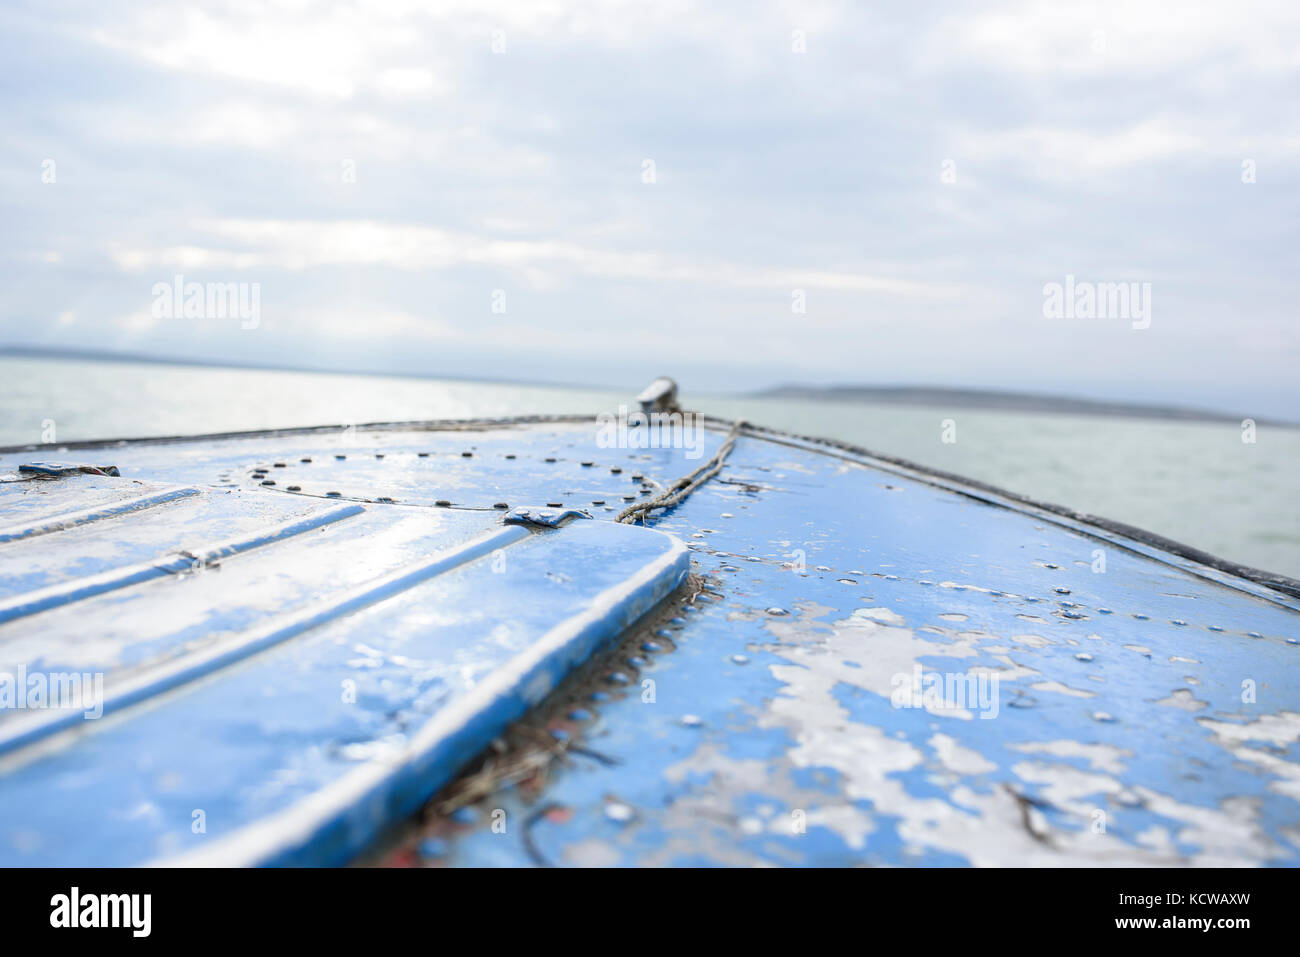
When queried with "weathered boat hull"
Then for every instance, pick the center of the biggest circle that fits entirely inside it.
(883, 665)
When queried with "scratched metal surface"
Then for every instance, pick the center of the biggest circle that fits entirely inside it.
(1123, 728)
(292, 672)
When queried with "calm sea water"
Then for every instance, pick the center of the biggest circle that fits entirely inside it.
(1194, 482)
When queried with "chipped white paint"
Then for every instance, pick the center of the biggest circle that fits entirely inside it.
(1184, 699)
(1100, 757)
(958, 758)
(880, 614)
(1055, 687)
(988, 827)
(1280, 729)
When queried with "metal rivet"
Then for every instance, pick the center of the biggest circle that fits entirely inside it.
(619, 812)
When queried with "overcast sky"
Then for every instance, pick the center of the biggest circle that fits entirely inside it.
(647, 187)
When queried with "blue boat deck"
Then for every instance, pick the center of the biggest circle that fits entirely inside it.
(302, 636)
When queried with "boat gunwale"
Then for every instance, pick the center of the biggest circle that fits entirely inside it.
(1275, 582)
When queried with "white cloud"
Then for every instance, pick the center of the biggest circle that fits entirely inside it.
(1038, 37)
(360, 323)
(1103, 139)
(299, 245)
(409, 81)
(340, 49)
(1057, 152)
(365, 323)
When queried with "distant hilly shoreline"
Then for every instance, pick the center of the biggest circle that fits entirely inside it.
(925, 396)
(995, 401)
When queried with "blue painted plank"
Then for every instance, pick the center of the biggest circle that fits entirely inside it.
(282, 742)
(84, 516)
(22, 604)
(1144, 712)
(148, 624)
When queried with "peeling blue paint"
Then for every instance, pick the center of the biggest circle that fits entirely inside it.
(1120, 735)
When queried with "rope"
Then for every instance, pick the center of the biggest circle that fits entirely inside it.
(677, 491)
